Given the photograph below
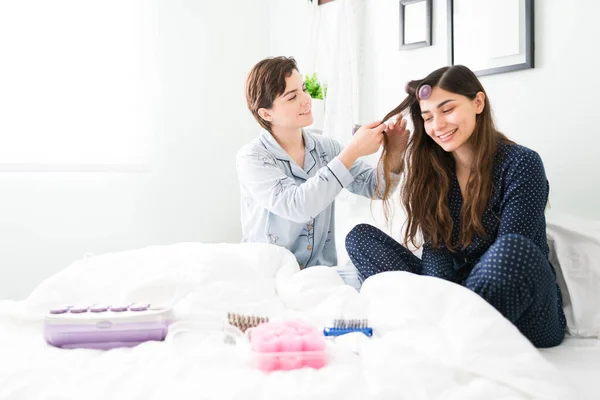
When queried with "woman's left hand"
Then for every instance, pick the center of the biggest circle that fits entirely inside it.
(397, 136)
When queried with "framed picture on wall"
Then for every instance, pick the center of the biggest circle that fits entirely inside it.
(415, 24)
(491, 36)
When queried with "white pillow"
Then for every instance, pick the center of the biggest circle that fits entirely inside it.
(575, 254)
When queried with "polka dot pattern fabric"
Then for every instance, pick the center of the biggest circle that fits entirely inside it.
(509, 267)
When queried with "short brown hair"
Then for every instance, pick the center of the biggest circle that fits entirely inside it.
(265, 82)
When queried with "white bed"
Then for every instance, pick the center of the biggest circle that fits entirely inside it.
(433, 339)
(578, 360)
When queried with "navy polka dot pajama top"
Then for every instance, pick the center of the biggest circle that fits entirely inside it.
(509, 268)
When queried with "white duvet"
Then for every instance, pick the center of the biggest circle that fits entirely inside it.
(434, 339)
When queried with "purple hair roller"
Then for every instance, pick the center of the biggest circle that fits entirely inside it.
(138, 307)
(59, 310)
(424, 92)
(78, 310)
(98, 308)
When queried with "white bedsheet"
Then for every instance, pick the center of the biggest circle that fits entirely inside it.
(578, 360)
(433, 339)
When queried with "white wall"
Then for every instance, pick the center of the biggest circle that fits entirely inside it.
(289, 29)
(551, 108)
(188, 193)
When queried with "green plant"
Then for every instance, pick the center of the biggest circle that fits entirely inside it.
(313, 86)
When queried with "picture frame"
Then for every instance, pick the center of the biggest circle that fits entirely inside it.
(415, 24)
(491, 36)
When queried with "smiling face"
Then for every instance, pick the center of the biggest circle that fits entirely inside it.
(292, 109)
(450, 118)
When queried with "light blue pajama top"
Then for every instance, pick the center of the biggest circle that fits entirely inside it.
(293, 207)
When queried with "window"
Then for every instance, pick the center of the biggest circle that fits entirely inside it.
(79, 83)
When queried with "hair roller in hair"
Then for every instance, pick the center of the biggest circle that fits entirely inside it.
(424, 92)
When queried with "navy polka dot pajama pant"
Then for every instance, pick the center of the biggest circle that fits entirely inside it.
(512, 275)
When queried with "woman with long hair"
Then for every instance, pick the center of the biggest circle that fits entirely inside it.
(474, 200)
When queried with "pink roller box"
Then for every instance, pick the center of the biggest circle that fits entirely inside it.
(105, 327)
(287, 345)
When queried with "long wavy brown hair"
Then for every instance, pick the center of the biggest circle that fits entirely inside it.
(428, 171)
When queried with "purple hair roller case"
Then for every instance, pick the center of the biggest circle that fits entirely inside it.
(105, 327)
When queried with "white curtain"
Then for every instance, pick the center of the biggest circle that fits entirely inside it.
(343, 89)
(333, 52)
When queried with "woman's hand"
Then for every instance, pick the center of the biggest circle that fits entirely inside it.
(397, 136)
(397, 141)
(367, 140)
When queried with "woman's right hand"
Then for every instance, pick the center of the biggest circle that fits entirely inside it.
(367, 140)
